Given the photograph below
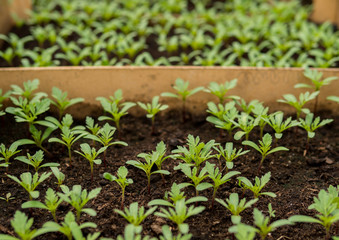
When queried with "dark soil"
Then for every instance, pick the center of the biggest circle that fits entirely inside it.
(296, 178)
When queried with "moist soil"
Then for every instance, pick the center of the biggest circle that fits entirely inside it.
(296, 178)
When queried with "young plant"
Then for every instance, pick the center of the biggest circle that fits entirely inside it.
(132, 232)
(92, 127)
(7, 153)
(229, 154)
(333, 98)
(264, 147)
(299, 104)
(22, 227)
(197, 152)
(246, 123)
(67, 121)
(168, 235)
(220, 90)
(152, 109)
(326, 204)
(68, 138)
(318, 82)
(61, 100)
(59, 176)
(150, 160)
(78, 198)
(105, 137)
(67, 225)
(91, 155)
(52, 201)
(310, 125)
(234, 205)
(261, 112)
(180, 213)
(258, 185)
(247, 108)
(242, 231)
(36, 160)
(134, 214)
(27, 91)
(217, 178)
(183, 93)
(7, 197)
(30, 183)
(121, 179)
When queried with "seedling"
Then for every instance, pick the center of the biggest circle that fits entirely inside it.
(105, 137)
(7, 153)
(59, 176)
(180, 213)
(92, 127)
(299, 104)
(311, 125)
(175, 195)
(247, 108)
(315, 77)
(333, 98)
(22, 227)
(67, 225)
(229, 154)
(220, 110)
(242, 231)
(168, 235)
(66, 121)
(276, 121)
(197, 152)
(52, 201)
(30, 183)
(183, 93)
(36, 160)
(326, 204)
(218, 178)
(68, 138)
(7, 197)
(258, 185)
(233, 204)
(132, 232)
(220, 90)
(121, 179)
(147, 166)
(196, 176)
(246, 123)
(264, 147)
(27, 91)
(4, 96)
(152, 109)
(260, 112)
(134, 214)
(78, 198)
(61, 100)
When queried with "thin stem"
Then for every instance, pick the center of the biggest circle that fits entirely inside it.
(122, 198)
(69, 155)
(91, 163)
(262, 160)
(149, 184)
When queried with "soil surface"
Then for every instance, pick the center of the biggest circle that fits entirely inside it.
(296, 178)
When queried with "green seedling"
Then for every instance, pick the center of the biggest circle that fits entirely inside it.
(317, 81)
(246, 123)
(68, 138)
(333, 98)
(30, 183)
(220, 110)
(175, 195)
(40, 57)
(217, 178)
(121, 179)
(92, 127)
(4, 96)
(67, 225)
(264, 147)
(22, 227)
(197, 152)
(67, 121)
(36, 160)
(234, 205)
(276, 121)
(168, 235)
(105, 137)
(179, 214)
(52, 201)
(310, 125)
(242, 231)
(61, 100)
(78, 235)
(261, 112)
(196, 176)
(59, 176)
(152, 109)
(38, 138)
(183, 93)
(78, 198)
(247, 108)
(220, 90)
(8, 55)
(91, 155)
(150, 160)
(299, 104)
(116, 98)
(7, 197)
(326, 204)
(132, 232)
(229, 154)
(7, 153)
(134, 214)
(115, 110)
(27, 91)
(259, 184)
